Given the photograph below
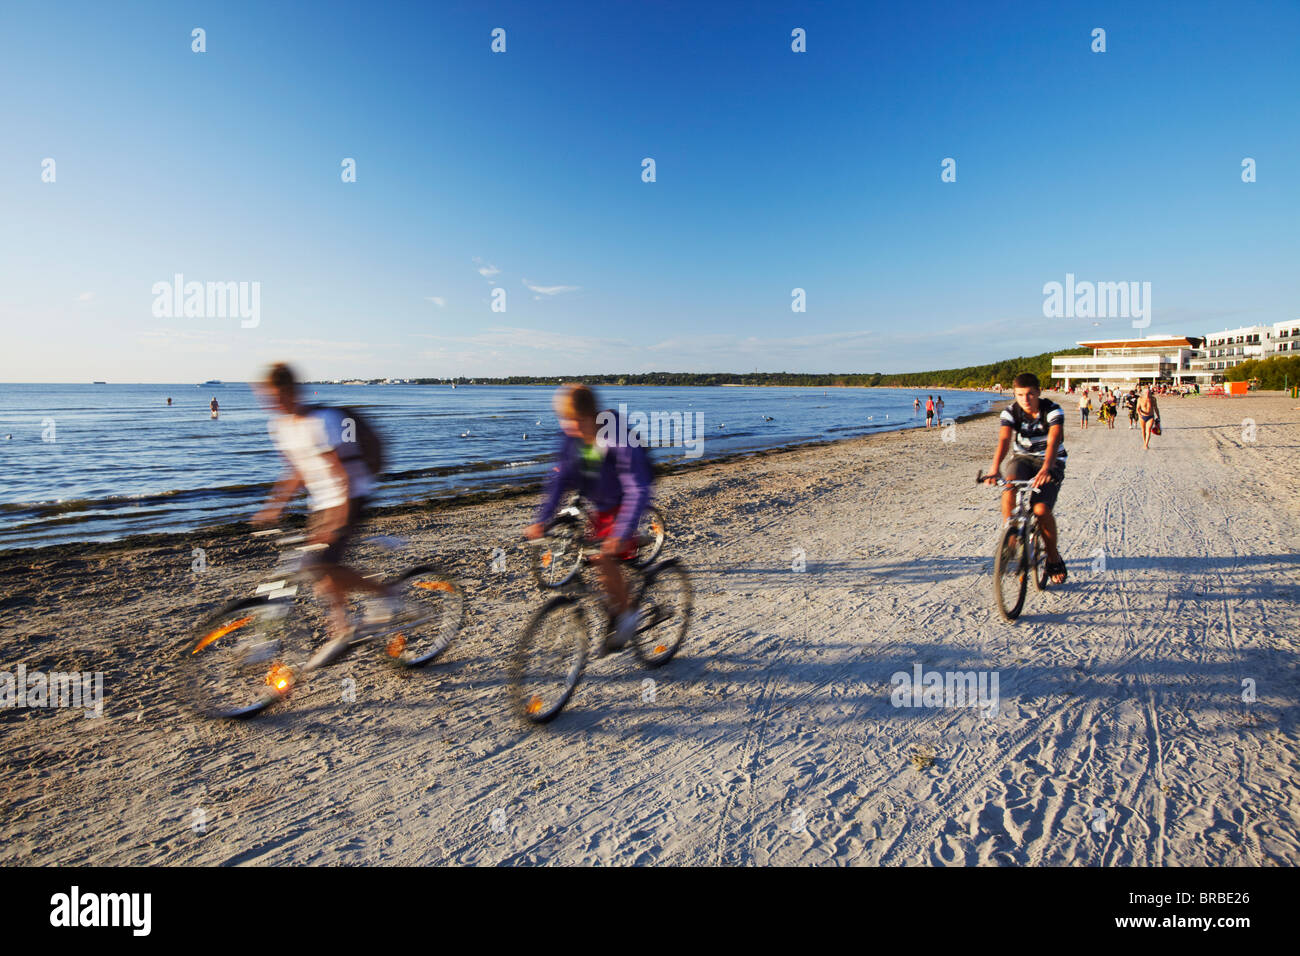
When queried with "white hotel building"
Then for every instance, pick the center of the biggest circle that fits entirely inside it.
(1286, 337)
(1231, 347)
(1115, 362)
(1176, 360)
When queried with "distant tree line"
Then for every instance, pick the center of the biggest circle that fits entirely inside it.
(969, 377)
(1281, 371)
(972, 376)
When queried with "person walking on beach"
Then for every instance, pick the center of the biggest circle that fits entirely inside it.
(1035, 427)
(333, 468)
(929, 410)
(1085, 407)
(1149, 412)
(616, 479)
(1130, 402)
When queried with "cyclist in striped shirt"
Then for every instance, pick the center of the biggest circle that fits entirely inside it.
(1035, 428)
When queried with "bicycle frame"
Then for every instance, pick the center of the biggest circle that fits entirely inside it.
(290, 574)
(1022, 517)
(578, 587)
(587, 549)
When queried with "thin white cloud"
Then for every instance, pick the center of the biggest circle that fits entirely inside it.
(486, 269)
(85, 297)
(437, 300)
(551, 289)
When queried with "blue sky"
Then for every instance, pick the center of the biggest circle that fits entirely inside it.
(775, 170)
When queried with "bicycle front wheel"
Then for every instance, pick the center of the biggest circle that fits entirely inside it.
(432, 613)
(665, 605)
(560, 560)
(1038, 560)
(1010, 573)
(238, 662)
(549, 660)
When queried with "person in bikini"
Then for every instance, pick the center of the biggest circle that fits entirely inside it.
(1149, 413)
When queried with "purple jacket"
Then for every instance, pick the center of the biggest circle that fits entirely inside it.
(623, 483)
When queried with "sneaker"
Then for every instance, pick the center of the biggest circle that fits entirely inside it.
(625, 628)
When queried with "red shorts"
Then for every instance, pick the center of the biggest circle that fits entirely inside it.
(602, 527)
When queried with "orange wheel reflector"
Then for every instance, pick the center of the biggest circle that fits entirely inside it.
(219, 633)
(534, 705)
(396, 645)
(435, 586)
(660, 648)
(546, 560)
(279, 677)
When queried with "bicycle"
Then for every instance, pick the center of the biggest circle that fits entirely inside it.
(556, 565)
(551, 655)
(254, 651)
(1019, 552)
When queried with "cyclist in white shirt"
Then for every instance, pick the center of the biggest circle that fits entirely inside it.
(311, 438)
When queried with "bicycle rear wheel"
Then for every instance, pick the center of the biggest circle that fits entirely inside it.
(650, 534)
(549, 660)
(433, 610)
(1010, 573)
(665, 605)
(558, 562)
(238, 662)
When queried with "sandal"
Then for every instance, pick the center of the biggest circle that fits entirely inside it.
(1057, 567)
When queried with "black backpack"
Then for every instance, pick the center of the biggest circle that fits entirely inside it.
(366, 444)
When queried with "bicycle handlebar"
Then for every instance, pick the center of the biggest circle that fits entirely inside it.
(588, 545)
(1008, 483)
(1001, 482)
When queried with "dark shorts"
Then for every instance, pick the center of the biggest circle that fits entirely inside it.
(1084, 412)
(1022, 469)
(333, 552)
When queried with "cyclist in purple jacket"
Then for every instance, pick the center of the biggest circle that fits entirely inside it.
(615, 476)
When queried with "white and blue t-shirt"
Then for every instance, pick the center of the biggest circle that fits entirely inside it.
(1030, 431)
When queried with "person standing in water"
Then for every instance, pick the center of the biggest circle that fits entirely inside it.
(214, 406)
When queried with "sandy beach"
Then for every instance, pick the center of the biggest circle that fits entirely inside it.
(1121, 735)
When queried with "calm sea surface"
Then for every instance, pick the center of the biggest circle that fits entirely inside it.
(122, 462)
